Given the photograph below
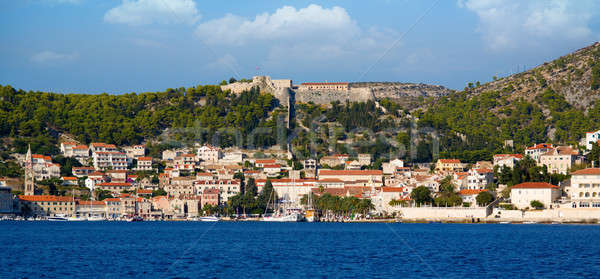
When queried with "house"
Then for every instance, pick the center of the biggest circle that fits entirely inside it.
(387, 194)
(478, 179)
(353, 165)
(287, 189)
(210, 197)
(506, 160)
(585, 188)
(43, 168)
(117, 175)
(113, 208)
(470, 195)
(227, 187)
(537, 150)
(170, 154)
(390, 167)
(73, 149)
(309, 164)
(560, 159)
(185, 162)
(335, 160)
(144, 164)
(46, 205)
(183, 185)
(521, 195)
(109, 160)
(135, 151)
(82, 171)
(185, 205)
(260, 163)
(590, 138)
(209, 153)
(204, 176)
(272, 170)
(448, 165)
(90, 209)
(232, 157)
(367, 177)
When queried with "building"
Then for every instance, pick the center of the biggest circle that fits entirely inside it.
(289, 190)
(29, 186)
(185, 162)
(470, 195)
(183, 185)
(521, 195)
(70, 181)
(82, 171)
(585, 188)
(91, 209)
(560, 159)
(209, 153)
(227, 187)
(113, 208)
(144, 164)
(478, 179)
(115, 187)
(210, 197)
(366, 177)
(102, 147)
(335, 160)
(42, 166)
(364, 159)
(109, 160)
(46, 205)
(590, 138)
(391, 166)
(260, 163)
(337, 86)
(135, 151)
(6, 201)
(537, 150)
(448, 165)
(272, 170)
(506, 160)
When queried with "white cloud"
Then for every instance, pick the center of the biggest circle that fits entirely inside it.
(511, 24)
(286, 23)
(51, 56)
(140, 12)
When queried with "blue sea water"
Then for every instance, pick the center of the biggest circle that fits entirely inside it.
(296, 250)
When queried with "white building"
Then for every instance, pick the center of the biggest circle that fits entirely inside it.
(591, 137)
(135, 151)
(144, 164)
(537, 150)
(208, 153)
(560, 159)
(109, 160)
(43, 168)
(585, 188)
(390, 167)
(521, 195)
(227, 187)
(289, 190)
(478, 179)
(506, 160)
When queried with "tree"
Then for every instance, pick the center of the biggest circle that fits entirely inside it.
(103, 194)
(421, 195)
(536, 204)
(232, 80)
(159, 192)
(484, 198)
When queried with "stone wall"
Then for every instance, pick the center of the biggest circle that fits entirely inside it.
(325, 97)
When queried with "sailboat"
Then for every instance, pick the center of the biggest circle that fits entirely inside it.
(75, 216)
(310, 213)
(278, 215)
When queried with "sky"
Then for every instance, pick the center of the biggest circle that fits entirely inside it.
(124, 46)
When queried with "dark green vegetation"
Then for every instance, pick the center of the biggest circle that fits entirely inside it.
(339, 206)
(38, 117)
(526, 170)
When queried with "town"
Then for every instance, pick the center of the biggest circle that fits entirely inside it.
(546, 183)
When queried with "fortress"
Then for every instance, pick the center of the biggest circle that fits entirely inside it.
(317, 92)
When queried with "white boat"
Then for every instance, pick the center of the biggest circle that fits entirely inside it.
(209, 219)
(96, 218)
(292, 217)
(504, 222)
(530, 222)
(76, 218)
(57, 217)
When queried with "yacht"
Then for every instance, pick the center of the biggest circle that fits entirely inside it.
(96, 218)
(292, 217)
(209, 219)
(57, 217)
(76, 218)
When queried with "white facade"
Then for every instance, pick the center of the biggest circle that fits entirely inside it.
(209, 153)
(109, 160)
(478, 179)
(591, 137)
(521, 195)
(506, 160)
(144, 163)
(390, 168)
(585, 188)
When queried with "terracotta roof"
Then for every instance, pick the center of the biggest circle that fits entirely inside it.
(144, 159)
(272, 166)
(588, 171)
(143, 191)
(450, 161)
(96, 173)
(81, 147)
(40, 198)
(350, 172)
(69, 143)
(392, 189)
(265, 161)
(115, 184)
(540, 146)
(83, 168)
(113, 200)
(69, 178)
(466, 192)
(535, 185)
(204, 174)
(499, 156)
(210, 191)
(80, 202)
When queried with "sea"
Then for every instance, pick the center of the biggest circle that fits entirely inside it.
(296, 250)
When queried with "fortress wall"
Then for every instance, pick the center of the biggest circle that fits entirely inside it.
(325, 97)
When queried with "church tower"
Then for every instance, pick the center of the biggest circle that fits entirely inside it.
(29, 183)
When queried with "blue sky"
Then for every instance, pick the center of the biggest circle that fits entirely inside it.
(120, 46)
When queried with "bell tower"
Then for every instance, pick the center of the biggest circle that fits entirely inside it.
(29, 183)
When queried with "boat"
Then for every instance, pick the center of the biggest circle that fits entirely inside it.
(310, 216)
(96, 218)
(76, 218)
(504, 222)
(135, 219)
(530, 222)
(209, 219)
(57, 217)
(292, 217)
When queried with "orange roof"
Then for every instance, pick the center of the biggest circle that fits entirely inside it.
(540, 146)
(69, 143)
(80, 202)
(41, 198)
(145, 159)
(272, 166)
(392, 189)
(466, 192)
(534, 185)
(588, 171)
(265, 161)
(96, 173)
(350, 172)
(450, 161)
(143, 191)
(114, 184)
(518, 156)
(484, 170)
(69, 178)
(80, 147)
(112, 199)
